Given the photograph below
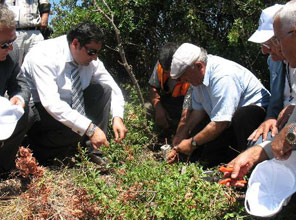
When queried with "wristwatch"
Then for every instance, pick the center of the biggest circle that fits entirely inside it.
(291, 135)
(91, 130)
(193, 143)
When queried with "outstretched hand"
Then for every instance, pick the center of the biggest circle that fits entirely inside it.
(172, 156)
(119, 129)
(263, 129)
(244, 162)
(99, 139)
(184, 147)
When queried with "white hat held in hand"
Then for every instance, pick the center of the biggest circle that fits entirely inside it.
(265, 29)
(9, 116)
(270, 187)
(184, 56)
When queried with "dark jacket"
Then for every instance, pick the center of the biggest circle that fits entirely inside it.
(12, 80)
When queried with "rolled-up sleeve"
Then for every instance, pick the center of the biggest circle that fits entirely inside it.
(44, 6)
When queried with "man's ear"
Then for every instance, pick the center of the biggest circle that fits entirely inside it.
(76, 44)
(199, 64)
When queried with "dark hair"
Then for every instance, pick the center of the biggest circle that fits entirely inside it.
(86, 33)
(166, 55)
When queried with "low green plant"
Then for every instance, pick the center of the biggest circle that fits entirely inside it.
(141, 187)
(138, 184)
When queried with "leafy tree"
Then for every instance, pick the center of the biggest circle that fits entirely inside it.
(222, 27)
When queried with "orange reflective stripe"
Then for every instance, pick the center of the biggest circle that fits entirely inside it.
(185, 88)
(180, 89)
(161, 76)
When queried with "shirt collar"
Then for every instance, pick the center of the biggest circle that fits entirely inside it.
(206, 80)
(66, 52)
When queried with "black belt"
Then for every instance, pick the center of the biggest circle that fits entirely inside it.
(27, 28)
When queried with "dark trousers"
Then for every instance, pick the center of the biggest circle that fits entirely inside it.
(51, 139)
(174, 107)
(244, 121)
(9, 147)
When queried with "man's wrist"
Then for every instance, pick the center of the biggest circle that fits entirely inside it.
(260, 154)
(116, 118)
(194, 144)
(91, 130)
(266, 145)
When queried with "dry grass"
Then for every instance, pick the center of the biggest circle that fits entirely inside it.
(50, 194)
(32, 203)
(54, 196)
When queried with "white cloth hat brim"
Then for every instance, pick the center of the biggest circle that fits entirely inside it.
(261, 36)
(270, 187)
(9, 116)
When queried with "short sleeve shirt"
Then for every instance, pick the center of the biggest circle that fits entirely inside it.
(226, 87)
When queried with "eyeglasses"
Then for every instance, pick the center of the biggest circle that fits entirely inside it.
(6, 45)
(91, 52)
(265, 45)
(277, 41)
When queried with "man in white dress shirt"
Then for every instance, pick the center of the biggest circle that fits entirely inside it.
(60, 125)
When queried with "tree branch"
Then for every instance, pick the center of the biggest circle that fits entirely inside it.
(121, 51)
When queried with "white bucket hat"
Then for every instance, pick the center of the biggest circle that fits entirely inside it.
(265, 29)
(9, 116)
(184, 56)
(270, 187)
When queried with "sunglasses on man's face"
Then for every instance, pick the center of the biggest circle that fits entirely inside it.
(6, 45)
(91, 52)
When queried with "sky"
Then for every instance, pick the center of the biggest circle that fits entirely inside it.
(52, 2)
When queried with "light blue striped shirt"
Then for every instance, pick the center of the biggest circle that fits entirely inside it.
(226, 87)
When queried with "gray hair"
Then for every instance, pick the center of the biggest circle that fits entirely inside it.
(203, 56)
(287, 16)
(6, 17)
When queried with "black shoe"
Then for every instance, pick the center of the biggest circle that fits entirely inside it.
(96, 156)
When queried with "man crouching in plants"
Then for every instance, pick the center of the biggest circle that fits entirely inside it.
(280, 147)
(73, 94)
(225, 94)
(14, 114)
(170, 99)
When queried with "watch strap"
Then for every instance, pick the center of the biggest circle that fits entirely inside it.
(91, 130)
(193, 143)
(292, 128)
(291, 131)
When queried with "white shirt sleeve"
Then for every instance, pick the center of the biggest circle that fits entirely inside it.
(44, 77)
